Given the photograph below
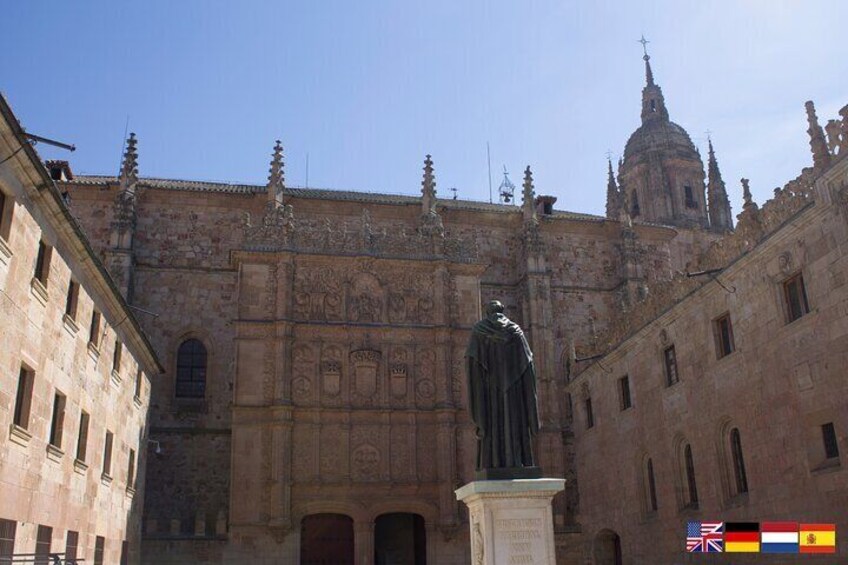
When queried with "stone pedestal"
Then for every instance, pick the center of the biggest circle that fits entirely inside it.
(511, 521)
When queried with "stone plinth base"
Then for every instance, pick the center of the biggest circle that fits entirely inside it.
(511, 521)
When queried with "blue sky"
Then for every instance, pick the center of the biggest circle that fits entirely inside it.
(367, 88)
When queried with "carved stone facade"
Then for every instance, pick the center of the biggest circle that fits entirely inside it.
(336, 324)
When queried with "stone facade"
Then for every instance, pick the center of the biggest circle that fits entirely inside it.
(313, 345)
(748, 422)
(336, 325)
(58, 477)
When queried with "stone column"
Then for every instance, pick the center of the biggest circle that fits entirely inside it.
(511, 521)
(363, 542)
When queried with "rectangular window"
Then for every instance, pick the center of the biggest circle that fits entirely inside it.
(42, 545)
(624, 389)
(94, 332)
(71, 545)
(723, 336)
(23, 401)
(139, 378)
(131, 470)
(795, 297)
(99, 546)
(590, 417)
(42, 262)
(7, 540)
(670, 359)
(116, 357)
(57, 422)
(689, 197)
(107, 454)
(82, 439)
(6, 205)
(73, 299)
(831, 446)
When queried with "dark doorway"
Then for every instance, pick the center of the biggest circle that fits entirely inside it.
(399, 539)
(326, 539)
(607, 548)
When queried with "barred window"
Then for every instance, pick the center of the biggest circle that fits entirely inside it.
(191, 369)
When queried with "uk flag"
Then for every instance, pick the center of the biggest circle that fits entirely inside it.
(704, 537)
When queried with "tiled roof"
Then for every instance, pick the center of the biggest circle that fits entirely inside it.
(319, 194)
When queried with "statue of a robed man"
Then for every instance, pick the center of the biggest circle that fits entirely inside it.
(502, 397)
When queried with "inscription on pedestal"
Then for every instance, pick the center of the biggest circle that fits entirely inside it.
(518, 541)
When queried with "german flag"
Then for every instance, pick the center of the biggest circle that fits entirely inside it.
(742, 537)
(817, 538)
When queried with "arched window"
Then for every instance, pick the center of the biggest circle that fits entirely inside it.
(652, 487)
(692, 488)
(634, 205)
(191, 369)
(738, 462)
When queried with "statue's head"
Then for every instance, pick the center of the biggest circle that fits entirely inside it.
(493, 307)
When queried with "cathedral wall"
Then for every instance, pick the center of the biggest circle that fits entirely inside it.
(781, 383)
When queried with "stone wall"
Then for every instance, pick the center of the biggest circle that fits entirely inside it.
(44, 478)
(782, 382)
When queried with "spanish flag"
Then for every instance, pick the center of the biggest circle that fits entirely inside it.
(741, 537)
(818, 538)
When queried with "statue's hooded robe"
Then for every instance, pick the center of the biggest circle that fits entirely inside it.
(502, 393)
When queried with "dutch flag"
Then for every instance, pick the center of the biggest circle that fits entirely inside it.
(779, 537)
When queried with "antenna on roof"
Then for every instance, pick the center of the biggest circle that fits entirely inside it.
(453, 189)
(489, 162)
(307, 170)
(123, 145)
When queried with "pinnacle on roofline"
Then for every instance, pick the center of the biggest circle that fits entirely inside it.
(428, 187)
(276, 174)
(129, 165)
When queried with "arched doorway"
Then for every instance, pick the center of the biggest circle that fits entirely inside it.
(607, 548)
(326, 539)
(400, 539)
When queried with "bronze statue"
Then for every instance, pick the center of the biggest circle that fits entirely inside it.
(502, 397)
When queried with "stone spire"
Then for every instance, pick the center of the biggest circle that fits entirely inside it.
(528, 202)
(613, 194)
(653, 103)
(721, 218)
(818, 144)
(276, 177)
(748, 200)
(428, 188)
(129, 166)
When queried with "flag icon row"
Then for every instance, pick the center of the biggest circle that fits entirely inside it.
(760, 537)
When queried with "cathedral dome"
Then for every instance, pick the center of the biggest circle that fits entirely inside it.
(660, 135)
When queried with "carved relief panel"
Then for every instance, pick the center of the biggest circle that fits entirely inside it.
(331, 375)
(399, 375)
(365, 299)
(365, 365)
(425, 375)
(318, 293)
(303, 375)
(367, 460)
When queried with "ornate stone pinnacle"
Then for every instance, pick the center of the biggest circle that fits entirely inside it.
(428, 188)
(276, 175)
(528, 203)
(129, 165)
(746, 194)
(818, 144)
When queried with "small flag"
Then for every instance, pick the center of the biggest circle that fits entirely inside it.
(818, 538)
(779, 537)
(741, 537)
(704, 537)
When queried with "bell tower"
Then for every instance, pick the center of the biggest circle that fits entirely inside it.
(662, 176)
